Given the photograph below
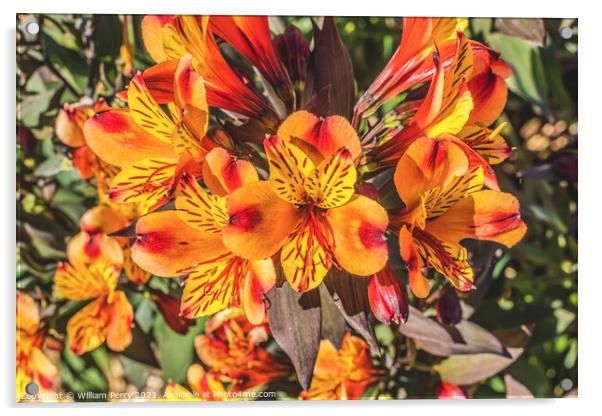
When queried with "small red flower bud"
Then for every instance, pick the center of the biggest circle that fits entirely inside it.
(170, 309)
(449, 310)
(387, 299)
(450, 391)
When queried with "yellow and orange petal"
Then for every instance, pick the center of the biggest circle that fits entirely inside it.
(117, 139)
(344, 374)
(485, 215)
(358, 228)
(82, 282)
(223, 173)
(167, 246)
(320, 138)
(260, 221)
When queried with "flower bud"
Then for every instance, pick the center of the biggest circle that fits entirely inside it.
(170, 309)
(388, 301)
(450, 391)
(449, 310)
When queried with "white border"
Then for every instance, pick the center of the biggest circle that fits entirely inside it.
(590, 290)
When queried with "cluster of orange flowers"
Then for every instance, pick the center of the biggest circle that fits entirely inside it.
(253, 189)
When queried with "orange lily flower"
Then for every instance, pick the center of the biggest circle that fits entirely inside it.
(152, 148)
(309, 207)
(109, 316)
(344, 374)
(231, 348)
(445, 204)
(204, 384)
(93, 243)
(407, 66)
(445, 113)
(216, 277)
(172, 38)
(32, 364)
(250, 35)
(69, 130)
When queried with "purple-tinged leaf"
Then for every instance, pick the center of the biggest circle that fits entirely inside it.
(295, 322)
(331, 65)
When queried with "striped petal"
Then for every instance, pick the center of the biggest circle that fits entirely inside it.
(223, 174)
(145, 182)
(332, 183)
(118, 140)
(167, 246)
(439, 200)
(260, 221)
(212, 286)
(486, 142)
(146, 113)
(82, 283)
(204, 212)
(451, 260)
(289, 167)
(305, 256)
(359, 227)
(485, 215)
(87, 329)
(427, 164)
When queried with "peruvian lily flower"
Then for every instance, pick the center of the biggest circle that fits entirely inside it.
(408, 65)
(444, 113)
(171, 38)
(204, 385)
(108, 317)
(250, 35)
(69, 130)
(153, 149)
(309, 209)
(344, 374)
(94, 244)
(231, 348)
(189, 241)
(33, 365)
(445, 204)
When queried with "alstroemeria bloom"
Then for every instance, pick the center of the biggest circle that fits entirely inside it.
(153, 148)
(32, 364)
(204, 385)
(408, 65)
(445, 204)
(309, 208)
(189, 241)
(344, 374)
(445, 112)
(109, 316)
(94, 244)
(231, 348)
(69, 130)
(169, 38)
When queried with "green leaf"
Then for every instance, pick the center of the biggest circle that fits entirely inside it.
(176, 352)
(528, 76)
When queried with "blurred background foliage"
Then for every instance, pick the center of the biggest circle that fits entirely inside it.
(534, 284)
